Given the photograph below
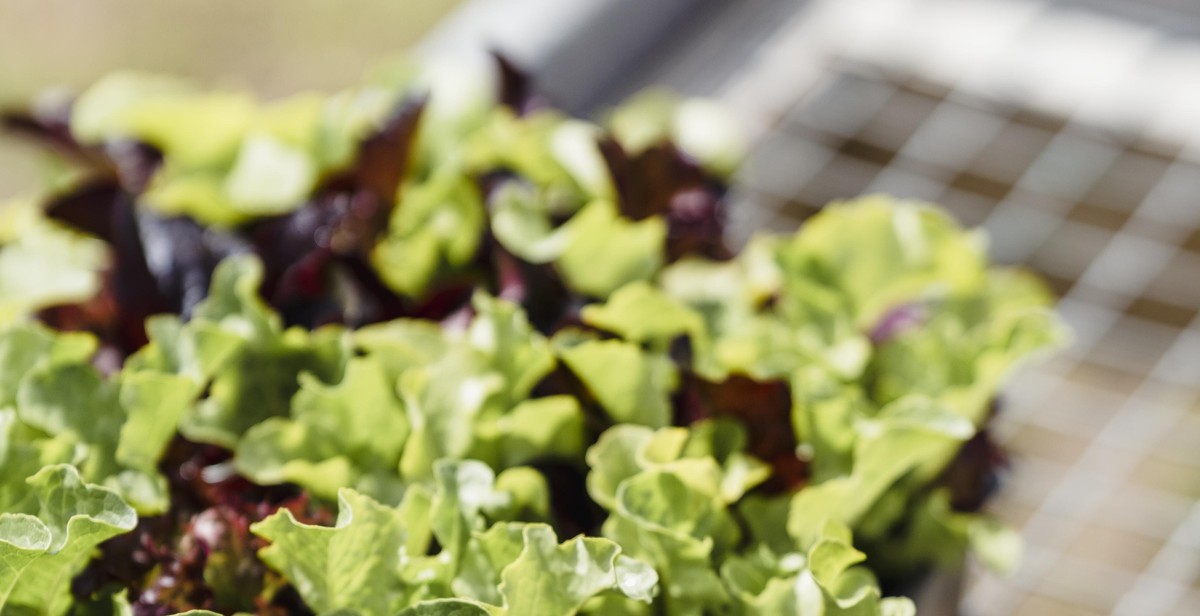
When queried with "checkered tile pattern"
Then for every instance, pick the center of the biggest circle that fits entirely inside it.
(1105, 438)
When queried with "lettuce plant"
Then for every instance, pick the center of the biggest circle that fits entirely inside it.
(429, 347)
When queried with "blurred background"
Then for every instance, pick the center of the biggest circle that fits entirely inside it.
(272, 47)
(1070, 130)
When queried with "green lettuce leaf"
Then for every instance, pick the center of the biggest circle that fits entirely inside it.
(351, 566)
(549, 577)
(596, 251)
(708, 455)
(374, 561)
(543, 576)
(642, 313)
(941, 536)
(402, 344)
(269, 176)
(258, 377)
(442, 401)
(42, 263)
(704, 130)
(113, 430)
(759, 322)
(483, 381)
(560, 158)
(40, 553)
(501, 333)
(904, 435)
(915, 250)
(680, 531)
(607, 251)
(438, 224)
(823, 580)
(24, 347)
(521, 220)
(631, 385)
(345, 435)
(153, 404)
(226, 157)
(968, 345)
(540, 428)
(668, 493)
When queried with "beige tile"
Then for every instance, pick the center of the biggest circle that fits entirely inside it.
(1040, 605)
(1037, 441)
(1114, 547)
(1148, 512)
(1086, 583)
(1170, 475)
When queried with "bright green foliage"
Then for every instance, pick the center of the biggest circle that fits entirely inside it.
(916, 252)
(62, 411)
(596, 251)
(42, 550)
(350, 566)
(938, 534)
(632, 386)
(547, 577)
(708, 455)
(558, 156)
(538, 575)
(521, 221)
(827, 579)
(640, 312)
(681, 530)
(154, 404)
(438, 228)
(670, 494)
(227, 157)
(702, 129)
(374, 562)
(26, 347)
(606, 251)
(977, 340)
(346, 435)
(877, 421)
(761, 322)
(43, 263)
(904, 435)
(238, 347)
(479, 381)
(417, 394)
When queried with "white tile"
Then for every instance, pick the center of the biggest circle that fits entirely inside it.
(782, 164)
(1089, 322)
(952, 135)
(842, 104)
(1127, 264)
(1151, 597)
(1173, 200)
(1068, 166)
(906, 184)
(1018, 231)
(1181, 363)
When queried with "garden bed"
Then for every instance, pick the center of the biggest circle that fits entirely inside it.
(428, 346)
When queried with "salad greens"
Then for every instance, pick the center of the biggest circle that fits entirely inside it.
(418, 348)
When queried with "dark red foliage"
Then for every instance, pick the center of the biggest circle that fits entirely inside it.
(765, 409)
(201, 555)
(661, 180)
(315, 257)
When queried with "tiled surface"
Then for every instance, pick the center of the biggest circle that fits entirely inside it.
(1105, 438)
